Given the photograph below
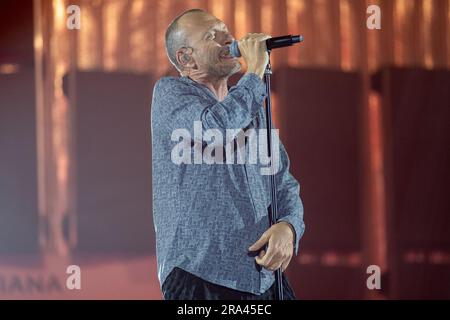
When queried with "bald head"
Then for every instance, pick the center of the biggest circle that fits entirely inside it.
(197, 43)
(176, 36)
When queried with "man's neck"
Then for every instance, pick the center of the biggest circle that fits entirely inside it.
(219, 87)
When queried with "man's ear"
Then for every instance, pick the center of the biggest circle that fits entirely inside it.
(184, 58)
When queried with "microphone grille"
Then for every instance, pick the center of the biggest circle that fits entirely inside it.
(234, 49)
(297, 39)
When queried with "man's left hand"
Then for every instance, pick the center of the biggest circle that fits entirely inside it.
(280, 239)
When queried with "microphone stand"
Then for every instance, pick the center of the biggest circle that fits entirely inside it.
(273, 210)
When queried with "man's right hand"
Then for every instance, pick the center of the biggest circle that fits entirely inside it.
(253, 50)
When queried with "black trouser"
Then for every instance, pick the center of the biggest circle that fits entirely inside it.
(182, 285)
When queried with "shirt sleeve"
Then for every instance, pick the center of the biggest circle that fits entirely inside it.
(290, 206)
(178, 105)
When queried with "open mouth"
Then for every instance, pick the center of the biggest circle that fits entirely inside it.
(226, 55)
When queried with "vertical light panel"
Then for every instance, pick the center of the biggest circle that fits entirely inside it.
(294, 11)
(426, 35)
(88, 39)
(346, 35)
(110, 29)
(373, 41)
(447, 23)
(377, 179)
(218, 8)
(401, 11)
(38, 43)
(165, 16)
(241, 19)
(266, 16)
(138, 39)
(324, 44)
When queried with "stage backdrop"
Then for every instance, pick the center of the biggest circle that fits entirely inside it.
(126, 37)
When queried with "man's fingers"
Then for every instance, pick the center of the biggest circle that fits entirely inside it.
(275, 258)
(267, 259)
(275, 265)
(276, 262)
(279, 248)
(256, 36)
(248, 36)
(260, 242)
(261, 254)
(263, 37)
(271, 264)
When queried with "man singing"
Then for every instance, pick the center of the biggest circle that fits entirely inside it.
(212, 229)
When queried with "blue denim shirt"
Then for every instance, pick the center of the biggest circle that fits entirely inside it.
(207, 215)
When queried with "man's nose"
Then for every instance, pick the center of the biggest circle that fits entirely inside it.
(229, 39)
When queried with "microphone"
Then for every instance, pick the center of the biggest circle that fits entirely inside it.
(271, 43)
